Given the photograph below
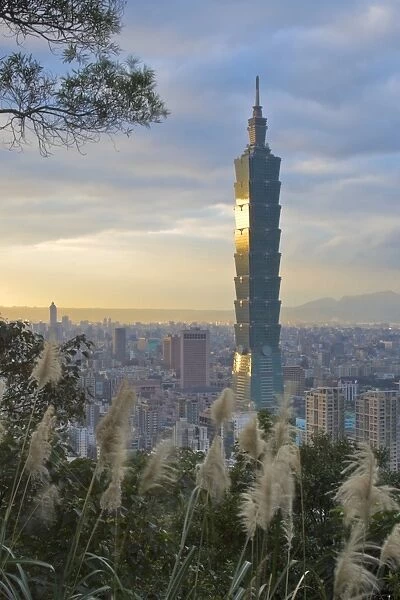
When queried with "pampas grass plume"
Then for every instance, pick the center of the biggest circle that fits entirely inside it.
(248, 513)
(40, 446)
(265, 492)
(260, 503)
(2, 427)
(212, 474)
(48, 498)
(2, 389)
(48, 366)
(2, 432)
(352, 578)
(250, 440)
(285, 467)
(290, 454)
(160, 469)
(282, 431)
(221, 410)
(390, 553)
(112, 433)
(360, 495)
(111, 498)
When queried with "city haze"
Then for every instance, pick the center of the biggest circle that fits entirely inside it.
(380, 307)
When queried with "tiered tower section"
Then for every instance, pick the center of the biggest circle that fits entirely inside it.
(257, 370)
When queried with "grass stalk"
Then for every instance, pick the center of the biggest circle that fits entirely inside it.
(186, 526)
(78, 531)
(303, 528)
(17, 476)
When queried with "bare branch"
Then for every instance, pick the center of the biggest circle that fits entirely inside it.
(86, 25)
(100, 96)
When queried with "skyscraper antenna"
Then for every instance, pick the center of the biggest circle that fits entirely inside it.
(257, 91)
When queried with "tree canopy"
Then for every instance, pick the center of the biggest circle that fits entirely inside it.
(94, 93)
(19, 351)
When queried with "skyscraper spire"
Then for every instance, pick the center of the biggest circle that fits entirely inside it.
(257, 124)
(257, 91)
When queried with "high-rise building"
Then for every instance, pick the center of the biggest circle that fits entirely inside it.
(257, 370)
(92, 416)
(325, 413)
(119, 344)
(294, 380)
(172, 352)
(350, 390)
(378, 422)
(53, 315)
(195, 358)
(189, 435)
(147, 425)
(166, 351)
(55, 331)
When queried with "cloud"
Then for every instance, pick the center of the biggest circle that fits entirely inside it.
(153, 212)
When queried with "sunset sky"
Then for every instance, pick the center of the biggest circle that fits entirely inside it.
(148, 221)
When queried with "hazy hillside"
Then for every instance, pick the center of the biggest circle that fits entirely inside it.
(378, 308)
(367, 308)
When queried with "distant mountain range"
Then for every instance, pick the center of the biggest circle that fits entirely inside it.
(380, 307)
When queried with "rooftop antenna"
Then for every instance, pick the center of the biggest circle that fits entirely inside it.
(257, 91)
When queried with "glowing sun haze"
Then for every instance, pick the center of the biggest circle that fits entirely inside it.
(148, 221)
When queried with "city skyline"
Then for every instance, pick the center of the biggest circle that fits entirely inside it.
(171, 186)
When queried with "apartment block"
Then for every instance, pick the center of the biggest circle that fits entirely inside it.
(324, 413)
(378, 422)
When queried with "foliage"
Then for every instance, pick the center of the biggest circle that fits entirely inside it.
(140, 542)
(19, 350)
(265, 420)
(171, 542)
(100, 95)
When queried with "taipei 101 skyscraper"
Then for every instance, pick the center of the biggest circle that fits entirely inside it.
(257, 369)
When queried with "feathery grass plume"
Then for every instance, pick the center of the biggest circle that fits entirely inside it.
(360, 495)
(260, 503)
(40, 446)
(111, 498)
(221, 410)
(112, 433)
(390, 553)
(282, 432)
(48, 366)
(160, 468)
(266, 492)
(248, 513)
(287, 464)
(290, 454)
(47, 498)
(250, 440)
(352, 578)
(2, 389)
(212, 475)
